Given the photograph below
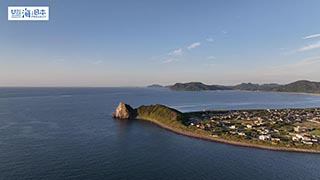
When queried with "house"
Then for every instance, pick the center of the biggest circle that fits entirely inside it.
(314, 140)
(300, 129)
(307, 142)
(241, 134)
(265, 137)
(299, 136)
(294, 138)
(207, 127)
(275, 139)
(306, 138)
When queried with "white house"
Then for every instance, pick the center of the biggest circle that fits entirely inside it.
(265, 137)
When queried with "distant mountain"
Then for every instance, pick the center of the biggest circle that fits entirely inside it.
(247, 86)
(302, 86)
(197, 86)
(269, 86)
(255, 87)
(155, 86)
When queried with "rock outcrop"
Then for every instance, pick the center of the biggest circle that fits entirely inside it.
(124, 111)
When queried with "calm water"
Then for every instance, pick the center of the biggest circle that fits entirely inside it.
(67, 133)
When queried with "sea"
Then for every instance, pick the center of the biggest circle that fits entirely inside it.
(68, 133)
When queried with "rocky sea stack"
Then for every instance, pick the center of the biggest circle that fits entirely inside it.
(124, 111)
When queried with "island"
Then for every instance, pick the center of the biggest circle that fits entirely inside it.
(155, 86)
(274, 129)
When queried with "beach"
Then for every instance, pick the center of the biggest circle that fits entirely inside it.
(220, 140)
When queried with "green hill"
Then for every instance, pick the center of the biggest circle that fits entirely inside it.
(160, 113)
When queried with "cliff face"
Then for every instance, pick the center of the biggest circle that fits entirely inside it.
(155, 112)
(124, 111)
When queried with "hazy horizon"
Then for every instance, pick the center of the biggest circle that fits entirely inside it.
(145, 85)
(133, 44)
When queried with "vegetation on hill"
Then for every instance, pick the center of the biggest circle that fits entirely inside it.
(160, 113)
(302, 86)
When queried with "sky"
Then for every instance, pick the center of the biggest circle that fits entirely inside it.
(142, 42)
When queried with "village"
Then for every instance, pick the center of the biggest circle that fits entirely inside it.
(277, 126)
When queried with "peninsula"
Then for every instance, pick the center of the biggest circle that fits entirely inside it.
(274, 129)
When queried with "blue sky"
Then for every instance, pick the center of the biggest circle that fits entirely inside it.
(136, 43)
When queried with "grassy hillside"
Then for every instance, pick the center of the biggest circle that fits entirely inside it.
(160, 113)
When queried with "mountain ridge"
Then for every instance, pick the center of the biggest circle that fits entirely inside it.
(300, 86)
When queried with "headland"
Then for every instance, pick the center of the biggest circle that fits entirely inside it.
(296, 130)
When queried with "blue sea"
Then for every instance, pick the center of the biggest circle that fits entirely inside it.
(68, 133)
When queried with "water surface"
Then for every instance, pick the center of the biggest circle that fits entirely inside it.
(67, 133)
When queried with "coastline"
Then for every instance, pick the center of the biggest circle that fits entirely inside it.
(220, 140)
(285, 92)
